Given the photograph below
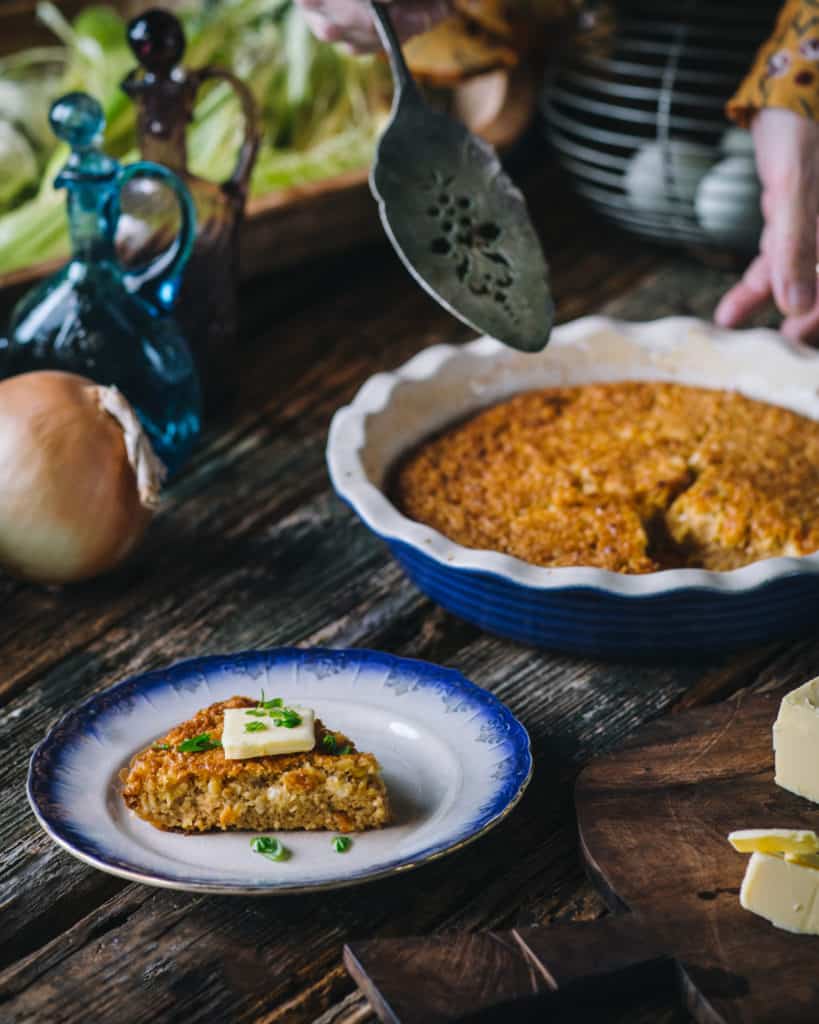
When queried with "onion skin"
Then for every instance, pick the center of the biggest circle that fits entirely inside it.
(70, 506)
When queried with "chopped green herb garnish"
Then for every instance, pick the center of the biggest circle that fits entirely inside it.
(161, 746)
(275, 709)
(254, 726)
(257, 712)
(270, 847)
(341, 844)
(287, 718)
(198, 744)
(330, 744)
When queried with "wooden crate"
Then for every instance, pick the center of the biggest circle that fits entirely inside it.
(285, 228)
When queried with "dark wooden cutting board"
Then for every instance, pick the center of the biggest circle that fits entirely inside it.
(653, 820)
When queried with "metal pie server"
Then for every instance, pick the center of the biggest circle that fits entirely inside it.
(454, 217)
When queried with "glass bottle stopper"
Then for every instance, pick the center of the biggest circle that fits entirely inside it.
(157, 41)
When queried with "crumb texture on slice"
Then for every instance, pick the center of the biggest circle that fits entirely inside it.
(631, 476)
(203, 792)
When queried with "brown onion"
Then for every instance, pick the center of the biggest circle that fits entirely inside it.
(79, 480)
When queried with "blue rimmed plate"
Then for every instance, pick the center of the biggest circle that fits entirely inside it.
(455, 761)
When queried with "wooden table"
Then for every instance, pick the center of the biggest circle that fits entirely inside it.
(253, 550)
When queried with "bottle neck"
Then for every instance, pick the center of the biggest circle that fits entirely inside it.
(90, 228)
(168, 148)
(165, 109)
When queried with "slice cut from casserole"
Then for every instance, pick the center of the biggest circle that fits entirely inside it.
(333, 786)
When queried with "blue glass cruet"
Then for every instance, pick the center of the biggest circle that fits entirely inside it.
(104, 320)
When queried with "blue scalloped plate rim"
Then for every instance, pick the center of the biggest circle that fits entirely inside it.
(500, 734)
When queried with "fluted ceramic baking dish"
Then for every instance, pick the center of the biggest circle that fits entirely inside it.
(579, 609)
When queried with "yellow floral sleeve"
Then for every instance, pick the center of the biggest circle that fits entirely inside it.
(785, 72)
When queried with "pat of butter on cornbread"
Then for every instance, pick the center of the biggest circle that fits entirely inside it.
(781, 880)
(267, 737)
(796, 742)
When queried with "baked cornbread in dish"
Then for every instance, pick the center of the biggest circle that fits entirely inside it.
(578, 607)
(333, 786)
(629, 476)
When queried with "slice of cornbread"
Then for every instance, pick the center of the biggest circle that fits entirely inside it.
(332, 787)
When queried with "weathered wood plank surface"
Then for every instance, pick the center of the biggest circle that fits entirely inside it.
(561, 973)
(253, 550)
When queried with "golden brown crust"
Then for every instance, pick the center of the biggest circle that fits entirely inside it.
(197, 792)
(633, 476)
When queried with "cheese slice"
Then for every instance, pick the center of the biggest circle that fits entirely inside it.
(796, 741)
(810, 860)
(239, 743)
(775, 840)
(785, 893)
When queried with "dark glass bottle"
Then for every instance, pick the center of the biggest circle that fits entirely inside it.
(165, 94)
(100, 319)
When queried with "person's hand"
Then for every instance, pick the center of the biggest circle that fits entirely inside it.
(787, 159)
(350, 21)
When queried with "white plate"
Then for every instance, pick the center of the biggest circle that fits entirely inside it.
(455, 761)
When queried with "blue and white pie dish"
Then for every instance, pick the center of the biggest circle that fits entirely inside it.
(454, 759)
(584, 610)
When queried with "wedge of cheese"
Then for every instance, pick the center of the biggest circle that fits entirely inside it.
(810, 860)
(781, 881)
(796, 742)
(783, 892)
(775, 840)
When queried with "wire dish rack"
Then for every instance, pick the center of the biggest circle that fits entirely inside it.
(639, 125)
